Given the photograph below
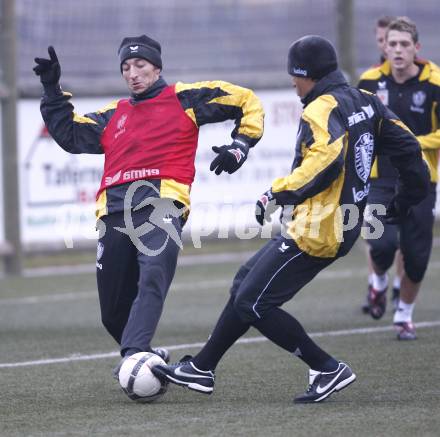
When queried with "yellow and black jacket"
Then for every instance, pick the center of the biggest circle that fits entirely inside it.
(417, 103)
(152, 136)
(341, 131)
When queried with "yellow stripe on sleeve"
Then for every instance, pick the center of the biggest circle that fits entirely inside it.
(190, 113)
(82, 119)
(320, 154)
(109, 107)
(252, 120)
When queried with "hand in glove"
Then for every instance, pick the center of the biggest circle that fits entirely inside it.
(230, 158)
(49, 70)
(265, 206)
(396, 212)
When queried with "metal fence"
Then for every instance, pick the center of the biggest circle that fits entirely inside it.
(243, 41)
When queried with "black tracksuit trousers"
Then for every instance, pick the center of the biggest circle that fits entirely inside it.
(413, 236)
(134, 275)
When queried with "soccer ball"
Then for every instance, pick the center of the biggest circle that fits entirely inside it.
(137, 380)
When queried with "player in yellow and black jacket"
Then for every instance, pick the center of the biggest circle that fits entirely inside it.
(342, 130)
(410, 87)
(416, 102)
(149, 141)
(381, 30)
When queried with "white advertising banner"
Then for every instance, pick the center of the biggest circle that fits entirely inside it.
(2, 223)
(58, 188)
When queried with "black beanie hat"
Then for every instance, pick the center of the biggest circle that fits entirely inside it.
(311, 56)
(140, 47)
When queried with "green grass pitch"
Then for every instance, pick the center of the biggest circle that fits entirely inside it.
(397, 392)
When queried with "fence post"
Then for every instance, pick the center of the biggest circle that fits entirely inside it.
(346, 38)
(8, 81)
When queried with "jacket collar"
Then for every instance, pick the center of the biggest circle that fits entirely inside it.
(327, 83)
(151, 92)
(424, 66)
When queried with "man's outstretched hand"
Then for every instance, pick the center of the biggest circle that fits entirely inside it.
(49, 70)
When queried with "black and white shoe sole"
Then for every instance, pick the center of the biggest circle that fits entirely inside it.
(191, 385)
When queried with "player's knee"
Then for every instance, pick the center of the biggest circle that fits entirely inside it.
(244, 309)
(382, 246)
(415, 269)
(237, 281)
(383, 254)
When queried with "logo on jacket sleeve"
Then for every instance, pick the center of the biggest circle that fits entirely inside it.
(357, 117)
(369, 111)
(363, 152)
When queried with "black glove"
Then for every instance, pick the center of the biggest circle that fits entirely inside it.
(229, 158)
(49, 70)
(264, 207)
(396, 212)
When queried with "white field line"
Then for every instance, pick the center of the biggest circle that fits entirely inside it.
(183, 260)
(60, 297)
(201, 285)
(175, 347)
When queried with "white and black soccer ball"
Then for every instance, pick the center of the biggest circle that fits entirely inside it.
(137, 380)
